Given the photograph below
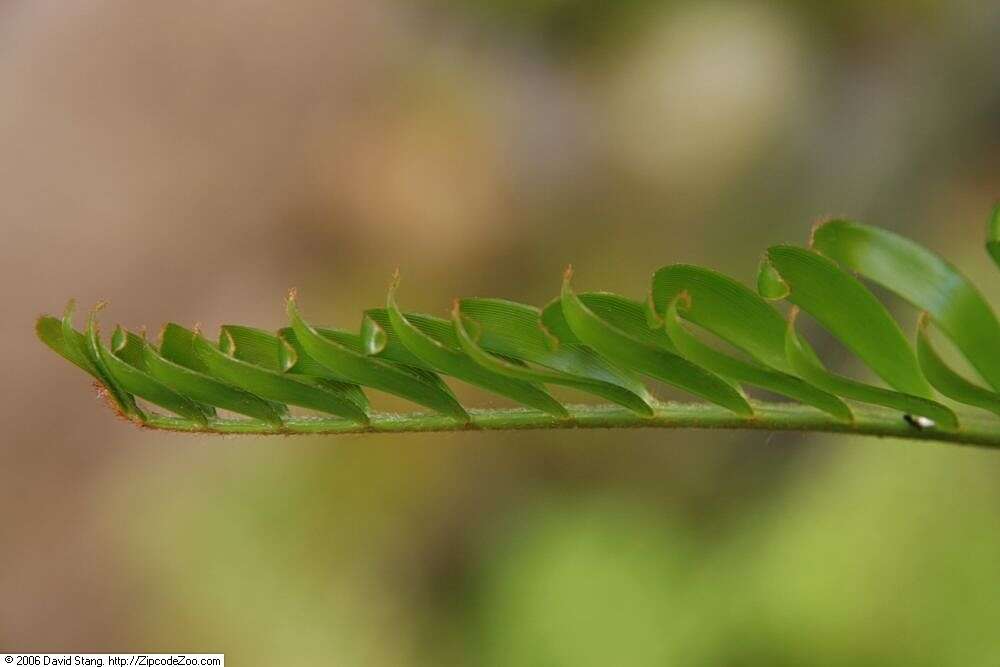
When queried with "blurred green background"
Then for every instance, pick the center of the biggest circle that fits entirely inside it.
(190, 161)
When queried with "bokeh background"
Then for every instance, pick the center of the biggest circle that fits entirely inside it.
(190, 161)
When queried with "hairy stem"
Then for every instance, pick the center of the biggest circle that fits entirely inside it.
(975, 430)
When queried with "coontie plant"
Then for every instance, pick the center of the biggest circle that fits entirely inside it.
(594, 342)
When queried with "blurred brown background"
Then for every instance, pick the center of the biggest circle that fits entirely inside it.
(190, 161)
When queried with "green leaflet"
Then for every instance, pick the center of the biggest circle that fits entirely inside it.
(280, 354)
(770, 284)
(437, 352)
(850, 312)
(379, 338)
(727, 308)
(352, 342)
(638, 350)
(555, 327)
(256, 346)
(72, 345)
(50, 331)
(206, 389)
(370, 371)
(625, 315)
(993, 235)
(512, 329)
(812, 372)
(274, 385)
(925, 280)
(177, 347)
(87, 346)
(947, 381)
(134, 379)
(620, 312)
(303, 363)
(755, 374)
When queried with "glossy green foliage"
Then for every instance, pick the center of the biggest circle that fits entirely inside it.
(594, 343)
(925, 280)
(993, 235)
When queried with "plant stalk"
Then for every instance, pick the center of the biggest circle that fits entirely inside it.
(978, 430)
